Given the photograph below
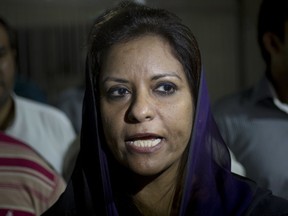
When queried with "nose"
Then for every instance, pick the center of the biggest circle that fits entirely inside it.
(141, 109)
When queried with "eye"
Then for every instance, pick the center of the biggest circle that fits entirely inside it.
(117, 92)
(166, 88)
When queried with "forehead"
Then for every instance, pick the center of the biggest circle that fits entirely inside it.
(150, 50)
(149, 42)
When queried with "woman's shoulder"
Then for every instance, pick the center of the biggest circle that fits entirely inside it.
(64, 206)
(76, 199)
(264, 203)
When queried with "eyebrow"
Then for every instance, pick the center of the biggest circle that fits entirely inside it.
(115, 79)
(156, 77)
(170, 74)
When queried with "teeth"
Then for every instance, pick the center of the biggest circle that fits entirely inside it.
(146, 143)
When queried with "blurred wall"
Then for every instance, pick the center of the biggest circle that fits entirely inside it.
(226, 32)
(225, 29)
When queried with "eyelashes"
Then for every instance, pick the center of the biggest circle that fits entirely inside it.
(117, 92)
(166, 88)
(161, 89)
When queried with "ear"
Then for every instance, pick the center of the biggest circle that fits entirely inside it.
(272, 43)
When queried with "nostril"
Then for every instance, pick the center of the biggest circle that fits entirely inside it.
(148, 117)
(139, 111)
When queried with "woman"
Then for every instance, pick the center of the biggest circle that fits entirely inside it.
(149, 145)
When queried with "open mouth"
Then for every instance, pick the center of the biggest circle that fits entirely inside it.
(145, 143)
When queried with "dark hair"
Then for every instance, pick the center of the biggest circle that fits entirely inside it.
(272, 17)
(130, 20)
(10, 32)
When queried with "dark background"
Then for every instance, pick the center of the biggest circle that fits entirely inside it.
(52, 39)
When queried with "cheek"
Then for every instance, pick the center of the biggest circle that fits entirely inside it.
(184, 123)
(181, 121)
(107, 121)
(112, 125)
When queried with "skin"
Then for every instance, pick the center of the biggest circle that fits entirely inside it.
(7, 73)
(145, 96)
(279, 62)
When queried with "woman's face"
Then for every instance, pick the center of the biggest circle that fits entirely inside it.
(146, 105)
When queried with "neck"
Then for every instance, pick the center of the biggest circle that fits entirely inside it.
(279, 79)
(282, 92)
(156, 195)
(281, 89)
(155, 198)
(6, 114)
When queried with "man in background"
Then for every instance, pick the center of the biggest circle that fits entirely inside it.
(28, 185)
(46, 129)
(254, 123)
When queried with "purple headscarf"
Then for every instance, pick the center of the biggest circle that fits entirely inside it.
(209, 186)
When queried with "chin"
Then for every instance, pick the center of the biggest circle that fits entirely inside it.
(146, 171)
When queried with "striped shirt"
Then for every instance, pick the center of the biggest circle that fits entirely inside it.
(28, 185)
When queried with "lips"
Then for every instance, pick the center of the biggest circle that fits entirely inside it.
(143, 141)
(147, 143)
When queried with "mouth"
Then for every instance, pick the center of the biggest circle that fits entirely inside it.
(144, 143)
